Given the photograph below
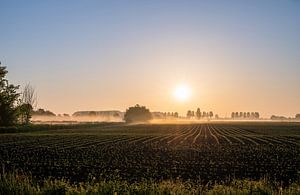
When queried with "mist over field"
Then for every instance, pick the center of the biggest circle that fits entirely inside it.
(51, 119)
(236, 56)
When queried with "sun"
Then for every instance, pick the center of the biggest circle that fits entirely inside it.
(182, 93)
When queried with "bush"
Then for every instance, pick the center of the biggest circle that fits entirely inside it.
(137, 113)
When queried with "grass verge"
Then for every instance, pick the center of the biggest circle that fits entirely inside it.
(21, 184)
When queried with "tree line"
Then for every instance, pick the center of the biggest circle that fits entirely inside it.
(245, 115)
(171, 114)
(15, 107)
(199, 115)
(274, 117)
(42, 112)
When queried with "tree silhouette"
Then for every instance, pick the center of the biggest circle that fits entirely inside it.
(8, 100)
(176, 114)
(236, 115)
(241, 115)
(137, 113)
(92, 113)
(42, 112)
(189, 114)
(198, 114)
(28, 102)
(248, 115)
(245, 115)
(232, 115)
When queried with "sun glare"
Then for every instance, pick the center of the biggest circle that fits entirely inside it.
(182, 93)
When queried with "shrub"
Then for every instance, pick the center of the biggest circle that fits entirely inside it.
(137, 113)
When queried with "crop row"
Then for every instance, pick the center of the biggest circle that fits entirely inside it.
(205, 152)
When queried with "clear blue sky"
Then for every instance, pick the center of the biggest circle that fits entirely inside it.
(95, 55)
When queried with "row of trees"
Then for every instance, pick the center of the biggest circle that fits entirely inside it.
(245, 115)
(171, 114)
(15, 107)
(198, 114)
(42, 112)
(274, 117)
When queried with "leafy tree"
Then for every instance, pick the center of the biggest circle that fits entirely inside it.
(256, 115)
(189, 114)
(198, 113)
(137, 113)
(241, 115)
(165, 115)
(233, 115)
(236, 115)
(211, 114)
(192, 114)
(8, 100)
(176, 115)
(92, 114)
(114, 115)
(248, 114)
(297, 116)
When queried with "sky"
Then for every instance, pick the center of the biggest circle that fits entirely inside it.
(109, 55)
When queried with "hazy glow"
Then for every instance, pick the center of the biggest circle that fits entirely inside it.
(182, 92)
(108, 55)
